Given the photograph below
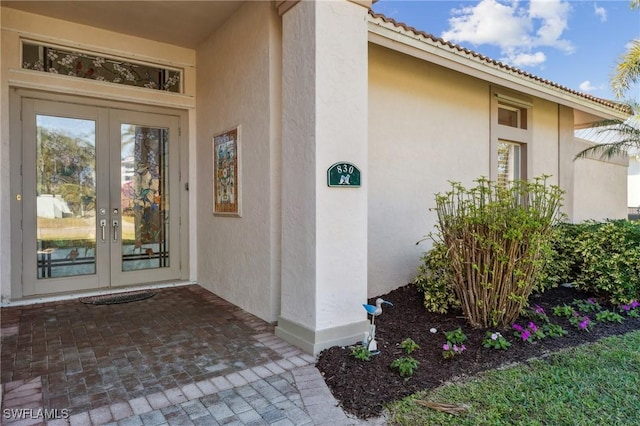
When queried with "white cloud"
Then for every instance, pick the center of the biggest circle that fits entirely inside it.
(601, 12)
(488, 22)
(554, 17)
(525, 59)
(586, 86)
(518, 31)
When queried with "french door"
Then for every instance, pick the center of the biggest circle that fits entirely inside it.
(100, 197)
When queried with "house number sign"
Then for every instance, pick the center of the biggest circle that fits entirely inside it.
(344, 175)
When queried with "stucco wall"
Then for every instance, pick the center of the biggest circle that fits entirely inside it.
(544, 149)
(238, 257)
(429, 125)
(600, 188)
(324, 232)
(633, 184)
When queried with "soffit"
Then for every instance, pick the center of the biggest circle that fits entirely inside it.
(181, 23)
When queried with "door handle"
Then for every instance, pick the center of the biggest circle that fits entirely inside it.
(103, 227)
(115, 230)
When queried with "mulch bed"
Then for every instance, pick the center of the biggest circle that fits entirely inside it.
(363, 388)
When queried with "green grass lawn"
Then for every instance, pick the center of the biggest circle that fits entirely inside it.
(595, 384)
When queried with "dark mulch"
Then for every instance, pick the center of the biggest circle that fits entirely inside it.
(363, 388)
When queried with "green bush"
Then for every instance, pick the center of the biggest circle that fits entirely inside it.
(559, 259)
(598, 257)
(406, 365)
(609, 259)
(435, 280)
(497, 238)
(361, 352)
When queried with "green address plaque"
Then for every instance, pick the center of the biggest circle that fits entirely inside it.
(343, 175)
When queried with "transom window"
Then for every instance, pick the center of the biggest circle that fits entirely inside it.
(512, 116)
(74, 63)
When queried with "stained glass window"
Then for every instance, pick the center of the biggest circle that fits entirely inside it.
(57, 60)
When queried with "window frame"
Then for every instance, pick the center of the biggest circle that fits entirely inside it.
(520, 135)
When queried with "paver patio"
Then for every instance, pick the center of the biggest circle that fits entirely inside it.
(183, 356)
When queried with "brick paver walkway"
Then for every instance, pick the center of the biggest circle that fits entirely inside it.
(182, 357)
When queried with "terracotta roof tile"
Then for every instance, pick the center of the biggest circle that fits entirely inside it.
(468, 52)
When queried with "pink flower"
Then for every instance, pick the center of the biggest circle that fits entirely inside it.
(455, 348)
(445, 347)
(494, 336)
(463, 348)
(625, 308)
(635, 304)
(525, 335)
(518, 327)
(533, 327)
(591, 301)
(585, 323)
(539, 310)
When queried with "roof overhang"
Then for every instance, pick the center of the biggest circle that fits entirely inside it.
(183, 23)
(387, 33)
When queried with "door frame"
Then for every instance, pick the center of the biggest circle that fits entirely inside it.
(16, 145)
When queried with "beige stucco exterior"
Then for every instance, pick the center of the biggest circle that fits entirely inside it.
(241, 87)
(310, 84)
(324, 119)
(600, 190)
(633, 185)
(429, 125)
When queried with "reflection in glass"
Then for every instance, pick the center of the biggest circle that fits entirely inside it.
(66, 195)
(144, 197)
(509, 162)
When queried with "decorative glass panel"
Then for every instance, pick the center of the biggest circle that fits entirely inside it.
(144, 197)
(84, 65)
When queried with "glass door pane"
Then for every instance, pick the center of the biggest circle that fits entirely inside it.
(65, 196)
(144, 200)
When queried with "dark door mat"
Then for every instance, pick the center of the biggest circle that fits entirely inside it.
(111, 299)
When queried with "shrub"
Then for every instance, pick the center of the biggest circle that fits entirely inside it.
(435, 280)
(406, 366)
(563, 311)
(497, 237)
(610, 260)
(361, 353)
(495, 340)
(599, 257)
(560, 258)
(409, 345)
(554, 330)
(455, 336)
(454, 345)
(608, 316)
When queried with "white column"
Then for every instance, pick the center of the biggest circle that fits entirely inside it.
(324, 229)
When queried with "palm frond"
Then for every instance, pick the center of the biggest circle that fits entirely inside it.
(624, 137)
(627, 70)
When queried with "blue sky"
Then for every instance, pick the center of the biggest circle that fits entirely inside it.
(572, 43)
